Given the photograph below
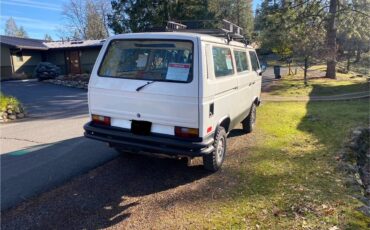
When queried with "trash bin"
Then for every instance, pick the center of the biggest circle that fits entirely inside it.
(277, 71)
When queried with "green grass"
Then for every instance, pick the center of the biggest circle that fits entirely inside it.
(289, 178)
(7, 100)
(293, 85)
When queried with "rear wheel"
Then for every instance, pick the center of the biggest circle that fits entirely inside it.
(250, 121)
(214, 160)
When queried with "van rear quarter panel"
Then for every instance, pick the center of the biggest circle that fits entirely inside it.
(165, 104)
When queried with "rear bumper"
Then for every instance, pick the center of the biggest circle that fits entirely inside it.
(156, 144)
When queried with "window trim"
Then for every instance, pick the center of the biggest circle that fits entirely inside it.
(190, 78)
(232, 62)
(246, 55)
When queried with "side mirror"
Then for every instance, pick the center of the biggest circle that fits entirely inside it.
(263, 69)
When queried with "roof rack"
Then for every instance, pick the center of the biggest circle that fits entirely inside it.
(227, 30)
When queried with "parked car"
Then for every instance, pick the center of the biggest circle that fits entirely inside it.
(173, 93)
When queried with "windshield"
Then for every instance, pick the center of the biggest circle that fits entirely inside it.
(156, 60)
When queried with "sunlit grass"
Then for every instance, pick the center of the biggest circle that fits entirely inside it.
(290, 178)
(293, 85)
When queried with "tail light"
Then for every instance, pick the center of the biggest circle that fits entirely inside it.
(100, 120)
(186, 132)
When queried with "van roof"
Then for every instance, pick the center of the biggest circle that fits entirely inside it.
(180, 35)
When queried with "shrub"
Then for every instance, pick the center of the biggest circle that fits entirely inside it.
(46, 70)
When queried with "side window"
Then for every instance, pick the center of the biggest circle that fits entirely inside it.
(254, 61)
(222, 61)
(241, 61)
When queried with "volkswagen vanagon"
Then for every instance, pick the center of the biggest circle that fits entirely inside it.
(173, 93)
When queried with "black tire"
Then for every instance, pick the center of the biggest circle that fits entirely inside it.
(214, 160)
(250, 121)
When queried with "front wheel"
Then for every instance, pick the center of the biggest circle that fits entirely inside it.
(250, 121)
(214, 160)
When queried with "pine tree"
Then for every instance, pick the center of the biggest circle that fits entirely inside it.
(11, 29)
(138, 16)
(236, 11)
(48, 38)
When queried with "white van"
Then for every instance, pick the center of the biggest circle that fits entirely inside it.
(173, 93)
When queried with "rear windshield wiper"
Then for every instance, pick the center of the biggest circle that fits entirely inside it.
(146, 84)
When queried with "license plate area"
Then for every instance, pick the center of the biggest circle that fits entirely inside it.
(141, 127)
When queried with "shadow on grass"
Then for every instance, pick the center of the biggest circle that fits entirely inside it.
(330, 123)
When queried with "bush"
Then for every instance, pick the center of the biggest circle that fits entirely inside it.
(5, 101)
(46, 70)
(10, 108)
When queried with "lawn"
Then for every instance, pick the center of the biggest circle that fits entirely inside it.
(289, 179)
(293, 85)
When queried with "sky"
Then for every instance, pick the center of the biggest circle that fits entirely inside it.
(39, 17)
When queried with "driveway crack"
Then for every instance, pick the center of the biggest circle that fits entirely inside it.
(20, 139)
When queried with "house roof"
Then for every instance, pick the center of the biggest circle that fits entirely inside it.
(25, 43)
(72, 44)
(37, 44)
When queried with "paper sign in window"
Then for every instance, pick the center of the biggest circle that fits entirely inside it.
(178, 72)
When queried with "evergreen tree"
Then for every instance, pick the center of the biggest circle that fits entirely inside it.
(139, 15)
(48, 38)
(237, 11)
(21, 33)
(11, 29)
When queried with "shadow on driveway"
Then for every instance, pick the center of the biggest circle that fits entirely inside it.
(100, 199)
(48, 101)
(30, 171)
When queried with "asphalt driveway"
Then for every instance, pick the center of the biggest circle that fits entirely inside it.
(47, 148)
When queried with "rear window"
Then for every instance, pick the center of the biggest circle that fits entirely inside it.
(241, 61)
(222, 61)
(156, 60)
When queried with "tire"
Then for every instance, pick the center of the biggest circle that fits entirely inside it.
(214, 160)
(250, 121)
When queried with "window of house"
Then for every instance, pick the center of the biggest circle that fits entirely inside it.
(19, 56)
(254, 61)
(222, 61)
(241, 61)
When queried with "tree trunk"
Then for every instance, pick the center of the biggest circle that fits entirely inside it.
(305, 71)
(331, 36)
(358, 55)
(348, 61)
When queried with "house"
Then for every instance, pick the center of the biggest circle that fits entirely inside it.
(20, 56)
